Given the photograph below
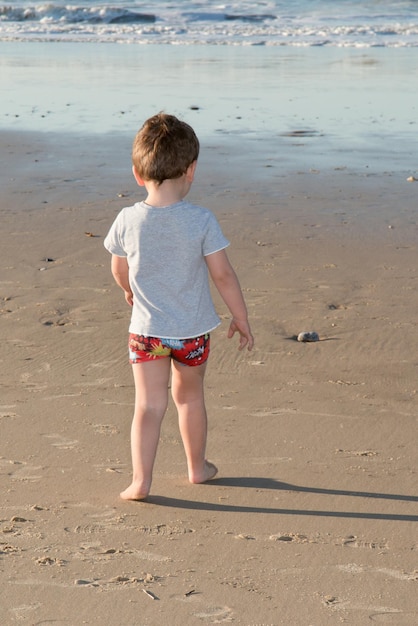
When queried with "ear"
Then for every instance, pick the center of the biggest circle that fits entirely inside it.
(137, 177)
(190, 172)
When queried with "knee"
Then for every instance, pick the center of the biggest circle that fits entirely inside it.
(185, 396)
(181, 393)
(152, 410)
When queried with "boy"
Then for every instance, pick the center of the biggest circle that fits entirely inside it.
(162, 249)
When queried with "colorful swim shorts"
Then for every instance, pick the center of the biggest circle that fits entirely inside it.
(193, 351)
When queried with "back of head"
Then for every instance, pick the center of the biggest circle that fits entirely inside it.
(164, 148)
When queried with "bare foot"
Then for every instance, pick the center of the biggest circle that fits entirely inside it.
(209, 471)
(134, 492)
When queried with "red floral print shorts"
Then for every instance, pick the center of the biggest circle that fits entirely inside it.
(193, 351)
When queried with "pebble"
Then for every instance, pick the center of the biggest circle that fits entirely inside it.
(412, 179)
(308, 336)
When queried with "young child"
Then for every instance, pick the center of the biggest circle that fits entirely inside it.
(162, 251)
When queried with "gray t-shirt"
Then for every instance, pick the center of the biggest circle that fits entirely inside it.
(165, 249)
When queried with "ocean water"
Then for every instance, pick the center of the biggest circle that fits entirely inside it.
(303, 23)
(302, 84)
(261, 109)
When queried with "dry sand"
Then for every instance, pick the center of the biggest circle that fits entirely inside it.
(312, 520)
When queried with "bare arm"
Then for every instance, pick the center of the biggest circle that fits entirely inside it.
(120, 271)
(226, 282)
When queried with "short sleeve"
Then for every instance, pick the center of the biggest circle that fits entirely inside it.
(214, 239)
(113, 242)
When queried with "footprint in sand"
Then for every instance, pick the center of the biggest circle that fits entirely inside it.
(288, 537)
(376, 613)
(105, 429)
(62, 442)
(353, 568)
(102, 522)
(354, 542)
(394, 617)
(25, 472)
(21, 612)
(216, 614)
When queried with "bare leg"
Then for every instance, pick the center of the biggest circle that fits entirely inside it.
(188, 395)
(151, 397)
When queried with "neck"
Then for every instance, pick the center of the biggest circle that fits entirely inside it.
(169, 192)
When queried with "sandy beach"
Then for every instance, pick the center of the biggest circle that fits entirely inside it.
(312, 520)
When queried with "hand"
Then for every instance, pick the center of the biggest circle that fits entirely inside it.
(129, 297)
(243, 328)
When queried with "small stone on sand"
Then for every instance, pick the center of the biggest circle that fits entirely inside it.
(308, 336)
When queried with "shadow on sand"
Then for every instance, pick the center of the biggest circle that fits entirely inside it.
(269, 483)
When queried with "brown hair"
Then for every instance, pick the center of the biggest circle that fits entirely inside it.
(164, 148)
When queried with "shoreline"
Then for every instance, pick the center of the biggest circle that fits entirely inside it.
(50, 169)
